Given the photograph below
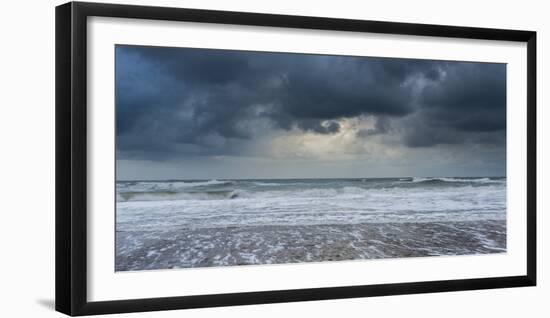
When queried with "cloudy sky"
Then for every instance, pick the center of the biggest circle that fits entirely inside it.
(186, 113)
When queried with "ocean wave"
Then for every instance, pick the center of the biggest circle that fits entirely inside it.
(169, 186)
(268, 184)
(346, 192)
(170, 196)
(454, 180)
(190, 184)
(247, 189)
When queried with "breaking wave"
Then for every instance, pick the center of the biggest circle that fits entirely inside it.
(341, 190)
(456, 180)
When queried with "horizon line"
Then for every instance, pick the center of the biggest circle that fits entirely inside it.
(307, 178)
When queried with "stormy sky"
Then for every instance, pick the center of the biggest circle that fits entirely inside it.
(185, 113)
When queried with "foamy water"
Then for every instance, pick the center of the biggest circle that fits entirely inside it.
(185, 216)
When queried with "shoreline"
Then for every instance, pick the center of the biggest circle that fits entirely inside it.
(276, 244)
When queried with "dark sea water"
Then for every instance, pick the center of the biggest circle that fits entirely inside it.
(198, 223)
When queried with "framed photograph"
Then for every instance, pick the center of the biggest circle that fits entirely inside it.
(209, 158)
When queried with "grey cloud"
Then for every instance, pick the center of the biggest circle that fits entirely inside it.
(468, 104)
(184, 102)
(381, 126)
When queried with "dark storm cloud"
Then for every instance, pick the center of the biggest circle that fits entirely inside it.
(184, 102)
(467, 104)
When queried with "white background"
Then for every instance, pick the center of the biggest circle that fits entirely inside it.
(27, 164)
(105, 284)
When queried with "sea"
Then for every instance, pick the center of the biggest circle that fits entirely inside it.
(202, 223)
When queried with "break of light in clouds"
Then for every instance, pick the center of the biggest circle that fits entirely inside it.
(186, 113)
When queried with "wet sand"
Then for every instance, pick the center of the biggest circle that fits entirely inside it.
(227, 246)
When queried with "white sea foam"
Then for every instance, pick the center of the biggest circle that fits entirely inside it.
(345, 205)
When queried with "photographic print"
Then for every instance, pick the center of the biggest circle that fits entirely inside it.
(227, 157)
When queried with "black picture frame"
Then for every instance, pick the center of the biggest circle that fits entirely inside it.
(71, 157)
